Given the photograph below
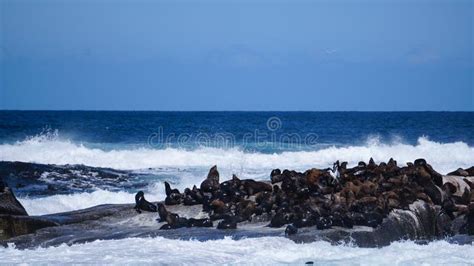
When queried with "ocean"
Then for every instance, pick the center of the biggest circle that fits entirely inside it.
(180, 147)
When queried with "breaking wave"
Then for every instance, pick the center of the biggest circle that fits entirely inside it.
(76, 201)
(444, 157)
(250, 251)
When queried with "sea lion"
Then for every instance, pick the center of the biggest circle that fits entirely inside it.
(265, 201)
(172, 219)
(141, 204)
(251, 187)
(211, 183)
(170, 191)
(323, 223)
(361, 195)
(391, 163)
(205, 222)
(162, 212)
(230, 190)
(173, 197)
(190, 198)
(275, 176)
(303, 218)
(371, 165)
(280, 218)
(435, 176)
(312, 177)
(244, 209)
(219, 206)
(449, 207)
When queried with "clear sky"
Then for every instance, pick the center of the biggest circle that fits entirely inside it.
(237, 55)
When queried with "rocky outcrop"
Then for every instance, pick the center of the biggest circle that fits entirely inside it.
(26, 178)
(463, 172)
(14, 220)
(420, 222)
(14, 225)
(365, 195)
(8, 203)
(369, 205)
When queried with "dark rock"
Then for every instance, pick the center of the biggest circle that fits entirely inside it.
(470, 171)
(470, 220)
(459, 172)
(13, 225)
(228, 223)
(25, 178)
(291, 230)
(8, 202)
(206, 222)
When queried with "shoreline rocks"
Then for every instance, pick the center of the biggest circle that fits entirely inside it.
(368, 205)
(9, 205)
(14, 220)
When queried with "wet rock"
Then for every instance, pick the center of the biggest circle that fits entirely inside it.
(25, 178)
(470, 220)
(228, 223)
(291, 230)
(370, 204)
(8, 202)
(13, 225)
(463, 172)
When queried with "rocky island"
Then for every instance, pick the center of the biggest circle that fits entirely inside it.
(369, 205)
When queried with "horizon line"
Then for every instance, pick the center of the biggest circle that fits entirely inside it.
(243, 111)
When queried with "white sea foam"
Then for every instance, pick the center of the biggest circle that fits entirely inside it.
(188, 167)
(265, 250)
(64, 203)
(443, 156)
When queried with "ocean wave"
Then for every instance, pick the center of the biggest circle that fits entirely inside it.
(76, 201)
(253, 251)
(443, 156)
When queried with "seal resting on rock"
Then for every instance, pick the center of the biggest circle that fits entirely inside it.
(173, 197)
(141, 204)
(363, 195)
(463, 172)
(172, 219)
(252, 187)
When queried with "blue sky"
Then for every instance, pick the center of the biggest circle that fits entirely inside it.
(237, 55)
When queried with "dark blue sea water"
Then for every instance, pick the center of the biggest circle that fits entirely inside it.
(112, 129)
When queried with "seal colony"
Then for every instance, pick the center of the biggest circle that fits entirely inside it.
(334, 197)
(369, 205)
